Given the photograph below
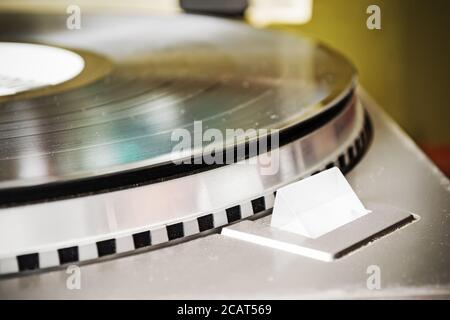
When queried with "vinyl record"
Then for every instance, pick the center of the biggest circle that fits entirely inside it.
(145, 76)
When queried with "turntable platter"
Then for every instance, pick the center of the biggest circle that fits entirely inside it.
(87, 164)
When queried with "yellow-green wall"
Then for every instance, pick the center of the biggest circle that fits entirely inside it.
(405, 65)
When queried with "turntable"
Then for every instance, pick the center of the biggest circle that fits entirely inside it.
(92, 173)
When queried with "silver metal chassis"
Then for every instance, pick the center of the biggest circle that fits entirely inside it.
(414, 261)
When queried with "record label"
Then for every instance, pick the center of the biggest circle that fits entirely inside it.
(25, 66)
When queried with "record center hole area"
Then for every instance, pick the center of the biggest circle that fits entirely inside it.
(25, 66)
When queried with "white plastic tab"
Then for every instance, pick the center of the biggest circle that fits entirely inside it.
(316, 205)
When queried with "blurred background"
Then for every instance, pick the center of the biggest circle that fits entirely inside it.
(405, 66)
